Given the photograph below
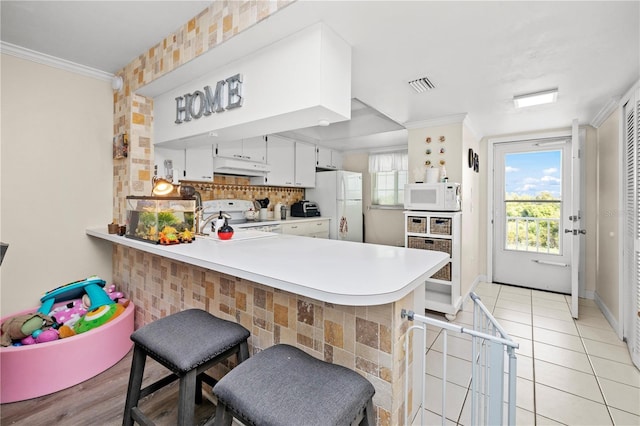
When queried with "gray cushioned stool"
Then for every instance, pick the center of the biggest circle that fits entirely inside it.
(187, 343)
(283, 385)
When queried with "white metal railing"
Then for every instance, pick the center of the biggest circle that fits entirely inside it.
(521, 224)
(490, 343)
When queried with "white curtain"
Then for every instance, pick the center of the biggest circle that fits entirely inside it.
(388, 161)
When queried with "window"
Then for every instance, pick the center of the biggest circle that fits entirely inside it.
(388, 177)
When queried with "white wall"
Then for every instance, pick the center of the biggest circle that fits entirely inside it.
(56, 179)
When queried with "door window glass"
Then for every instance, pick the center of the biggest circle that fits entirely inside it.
(533, 201)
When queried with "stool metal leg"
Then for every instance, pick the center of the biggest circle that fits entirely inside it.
(135, 384)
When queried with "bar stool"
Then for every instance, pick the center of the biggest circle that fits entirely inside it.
(283, 385)
(187, 343)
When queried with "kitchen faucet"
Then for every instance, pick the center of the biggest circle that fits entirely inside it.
(209, 219)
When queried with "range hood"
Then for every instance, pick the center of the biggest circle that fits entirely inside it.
(234, 166)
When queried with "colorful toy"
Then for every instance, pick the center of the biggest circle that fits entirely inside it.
(21, 326)
(70, 313)
(41, 336)
(111, 292)
(98, 317)
(75, 290)
(65, 331)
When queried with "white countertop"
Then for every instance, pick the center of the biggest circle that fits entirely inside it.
(340, 272)
(289, 219)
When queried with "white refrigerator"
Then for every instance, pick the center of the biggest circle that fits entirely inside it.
(338, 195)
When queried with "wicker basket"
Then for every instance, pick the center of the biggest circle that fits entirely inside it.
(440, 225)
(444, 273)
(434, 244)
(417, 225)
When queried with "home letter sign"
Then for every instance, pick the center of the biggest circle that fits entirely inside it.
(207, 101)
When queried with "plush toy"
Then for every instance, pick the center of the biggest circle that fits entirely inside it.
(21, 326)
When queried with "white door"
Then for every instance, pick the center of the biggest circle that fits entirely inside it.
(631, 227)
(532, 205)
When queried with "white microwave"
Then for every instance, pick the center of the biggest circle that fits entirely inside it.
(443, 197)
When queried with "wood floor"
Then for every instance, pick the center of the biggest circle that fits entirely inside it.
(100, 401)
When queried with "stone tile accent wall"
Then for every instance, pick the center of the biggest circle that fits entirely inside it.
(367, 339)
(219, 22)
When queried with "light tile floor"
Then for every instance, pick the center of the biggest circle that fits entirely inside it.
(573, 372)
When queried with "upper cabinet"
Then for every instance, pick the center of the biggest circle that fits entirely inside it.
(281, 157)
(198, 164)
(292, 163)
(328, 159)
(250, 149)
(305, 175)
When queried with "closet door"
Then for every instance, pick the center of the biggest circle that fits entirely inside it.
(631, 248)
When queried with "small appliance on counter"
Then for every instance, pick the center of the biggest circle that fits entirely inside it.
(304, 208)
(441, 197)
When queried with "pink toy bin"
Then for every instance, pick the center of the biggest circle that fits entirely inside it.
(31, 371)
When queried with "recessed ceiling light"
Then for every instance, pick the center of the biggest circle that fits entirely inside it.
(537, 98)
(421, 84)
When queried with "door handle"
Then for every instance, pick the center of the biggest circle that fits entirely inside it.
(575, 231)
(545, 262)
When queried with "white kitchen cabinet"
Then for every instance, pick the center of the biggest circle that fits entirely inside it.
(438, 231)
(317, 228)
(251, 149)
(281, 157)
(305, 165)
(328, 159)
(198, 164)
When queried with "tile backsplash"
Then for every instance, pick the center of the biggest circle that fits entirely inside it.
(240, 188)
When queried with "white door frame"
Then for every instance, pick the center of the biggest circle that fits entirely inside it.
(490, 182)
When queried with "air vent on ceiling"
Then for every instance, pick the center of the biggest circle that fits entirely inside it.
(421, 84)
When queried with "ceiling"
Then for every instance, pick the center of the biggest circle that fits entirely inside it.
(478, 54)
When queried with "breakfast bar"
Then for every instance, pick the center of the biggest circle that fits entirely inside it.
(337, 300)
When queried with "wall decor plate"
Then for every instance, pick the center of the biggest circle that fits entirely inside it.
(471, 159)
(476, 163)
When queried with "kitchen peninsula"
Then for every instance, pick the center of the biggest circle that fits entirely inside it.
(338, 300)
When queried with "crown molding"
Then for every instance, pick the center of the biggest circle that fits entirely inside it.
(605, 112)
(52, 61)
(440, 121)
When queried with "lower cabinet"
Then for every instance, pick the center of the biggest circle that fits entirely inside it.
(438, 231)
(318, 228)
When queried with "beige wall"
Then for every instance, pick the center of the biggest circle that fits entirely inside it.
(608, 241)
(382, 226)
(452, 145)
(56, 132)
(458, 139)
(470, 188)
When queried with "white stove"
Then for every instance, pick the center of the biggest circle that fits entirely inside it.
(234, 208)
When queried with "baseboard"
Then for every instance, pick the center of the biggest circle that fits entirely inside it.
(607, 314)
